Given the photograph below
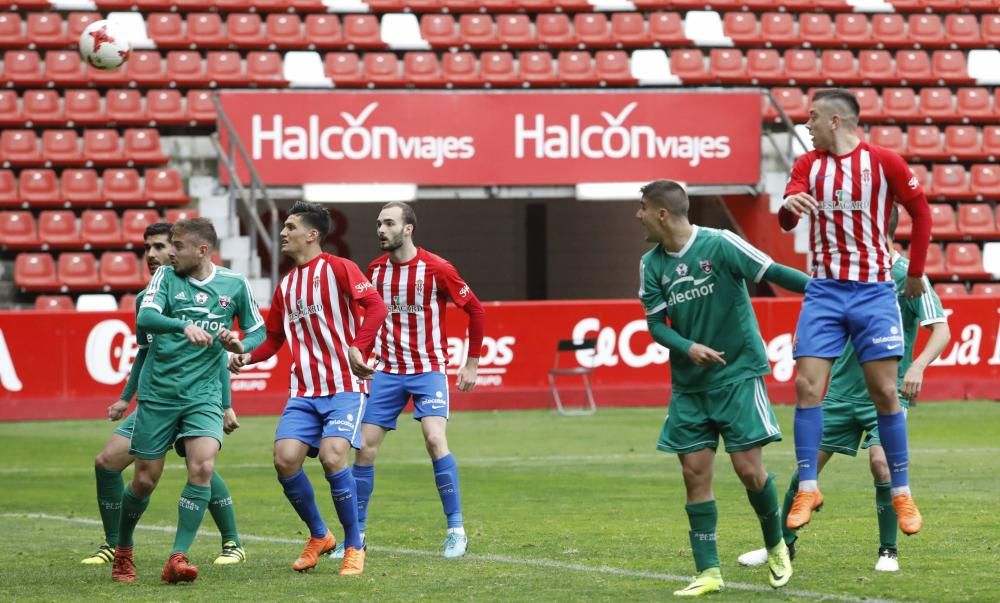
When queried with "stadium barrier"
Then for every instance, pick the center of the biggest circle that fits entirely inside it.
(72, 365)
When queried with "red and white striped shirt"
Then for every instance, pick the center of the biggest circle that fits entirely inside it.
(317, 309)
(416, 293)
(855, 194)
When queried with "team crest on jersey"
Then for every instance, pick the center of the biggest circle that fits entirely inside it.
(682, 269)
(419, 287)
(225, 300)
(866, 176)
(316, 282)
(201, 298)
(706, 266)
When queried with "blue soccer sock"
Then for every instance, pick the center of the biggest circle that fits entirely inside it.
(299, 492)
(808, 433)
(892, 432)
(345, 493)
(364, 477)
(446, 478)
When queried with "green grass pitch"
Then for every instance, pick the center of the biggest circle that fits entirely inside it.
(557, 509)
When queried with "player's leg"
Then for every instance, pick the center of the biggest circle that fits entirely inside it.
(220, 505)
(108, 467)
(200, 452)
(888, 556)
(703, 517)
(341, 431)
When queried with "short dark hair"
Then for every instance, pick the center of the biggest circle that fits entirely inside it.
(409, 216)
(313, 215)
(846, 101)
(667, 194)
(158, 228)
(199, 227)
(893, 220)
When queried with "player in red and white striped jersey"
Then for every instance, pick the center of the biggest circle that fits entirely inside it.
(847, 187)
(317, 308)
(411, 356)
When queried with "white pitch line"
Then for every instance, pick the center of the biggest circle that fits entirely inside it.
(543, 563)
(492, 460)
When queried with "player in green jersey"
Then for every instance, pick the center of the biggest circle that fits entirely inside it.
(114, 457)
(696, 277)
(180, 397)
(849, 413)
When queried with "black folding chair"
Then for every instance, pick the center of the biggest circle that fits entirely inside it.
(569, 345)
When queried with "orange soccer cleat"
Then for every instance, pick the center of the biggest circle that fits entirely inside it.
(314, 548)
(806, 501)
(178, 569)
(910, 520)
(123, 569)
(354, 562)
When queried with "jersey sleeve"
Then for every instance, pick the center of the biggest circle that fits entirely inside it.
(449, 280)
(247, 311)
(798, 181)
(743, 259)
(350, 278)
(902, 183)
(275, 325)
(927, 307)
(142, 338)
(157, 292)
(650, 292)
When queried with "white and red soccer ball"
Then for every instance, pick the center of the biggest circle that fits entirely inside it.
(104, 46)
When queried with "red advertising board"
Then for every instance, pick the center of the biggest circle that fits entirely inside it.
(73, 365)
(498, 138)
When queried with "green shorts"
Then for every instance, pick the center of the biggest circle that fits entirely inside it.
(126, 427)
(740, 412)
(850, 423)
(159, 425)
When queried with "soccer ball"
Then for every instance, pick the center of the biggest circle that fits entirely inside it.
(104, 46)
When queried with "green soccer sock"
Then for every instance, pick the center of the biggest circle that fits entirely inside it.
(110, 488)
(703, 518)
(887, 520)
(765, 504)
(190, 511)
(791, 535)
(132, 508)
(221, 507)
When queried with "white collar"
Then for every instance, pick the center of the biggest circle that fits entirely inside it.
(208, 278)
(690, 241)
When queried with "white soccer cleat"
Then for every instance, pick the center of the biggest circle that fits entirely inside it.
(455, 544)
(753, 558)
(888, 560)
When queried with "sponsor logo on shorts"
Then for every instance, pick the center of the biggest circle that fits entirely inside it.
(342, 425)
(887, 339)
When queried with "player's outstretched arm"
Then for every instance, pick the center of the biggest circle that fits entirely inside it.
(787, 277)
(914, 378)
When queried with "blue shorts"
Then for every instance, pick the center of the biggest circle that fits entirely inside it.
(390, 393)
(834, 310)
(309, 420)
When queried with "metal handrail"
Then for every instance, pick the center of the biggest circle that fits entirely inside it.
(788, 157)
(249, 199)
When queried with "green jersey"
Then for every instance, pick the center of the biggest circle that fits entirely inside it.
(175, 369)
(847, 380)
(703, 290)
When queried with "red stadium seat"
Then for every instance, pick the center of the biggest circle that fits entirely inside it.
(125, 107)
(515, 31)
(103, 147)
(986, 289)
(81, 188)
(949, 66)
(870, 102)
(200, 108)
(975, 104)
(951, 290)
(477, 31)
(629, 30)
(10, 108)
(363, 31)
(991, 142)
(78, 272)
(593, 30)
(962, 31)
(965, 260)
(422, 69)
(576, 67)
(913, 67)
(164, 185)
(951, 181)
(853, 30)
(344, 68)
(77, 22)
(726, 65)
(461, 69)
(171, 216)
(127, 302)
(167, 30)
(927, 30)
(890, 137)
(204, 30)
(779, 29)
(976, 220)
(667, 29)
(764, 66)
(54, 303)
(8, 190)
(839, 68)
(285, 31)
(62, 147)
(100, 228)
(83, 107)
(324, 32)
(19, 147)
(225, 68)
(186, 68)
(246, 30)
(985, 181)
(120, 270)
(742, 28)
(134, 223)
(122, 187)
(265, 69)
(18, 230)
(382, 70)
(39, 188)
(498, 70)
(12, 33)
(962, 142)
(23, 68)
(104, 78)
(689, 65)
(142, 146)
(43, 108)
(991, 30)
(925, 142)
(165, 107)
(900, 104)
(554, 30)
(440, 31)
(934, 266)
(802, 67)
(817, 29)
(890, 30)
(938, 104)
(876, 67)
(148, 68)
(538, 69)
(793, 101)
(612, 68)
(943, 221)
(35, 272)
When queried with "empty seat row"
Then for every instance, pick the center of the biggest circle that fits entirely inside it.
(807, 67)
(80, 271)
(85, 303)
(956, 261)
(43, 29)
(974, 221)
(965, 105)
(954, 182)
(854, 30)
(928, 143)
(145, 68)
(97, 228)
(85, 188)
(124, 107)
(901, 6)
(960, 290)
(494, 69)
(99, 147)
